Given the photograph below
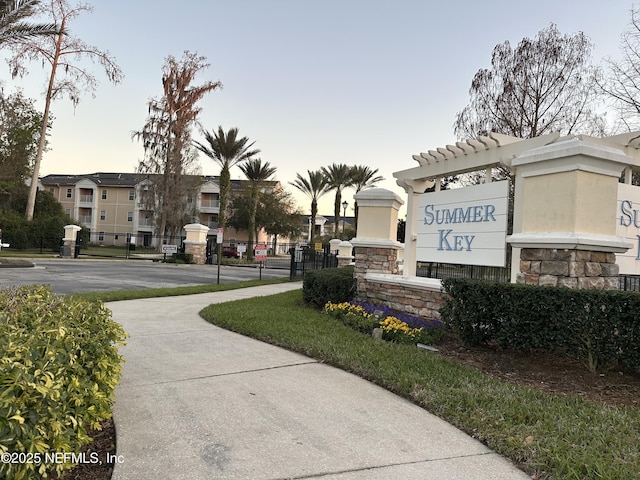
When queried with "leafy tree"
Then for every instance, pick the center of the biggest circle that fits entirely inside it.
(363, 177)
(166, 137)
(314, 186)
(338, 177)
(257, 173)
(66, 77)
(13, 26)
(276, 214)
(227, 150)
(545, 84)
(19, 130)
(623, 82)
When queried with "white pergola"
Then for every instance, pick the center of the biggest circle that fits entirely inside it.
(486, 153)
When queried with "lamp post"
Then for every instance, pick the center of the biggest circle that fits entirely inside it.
(345, 204)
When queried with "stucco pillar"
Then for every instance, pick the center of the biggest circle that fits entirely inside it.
(69, 241)
(414, 189)
(344, 254)
(376, 247)
(564, 215)
(196, 242)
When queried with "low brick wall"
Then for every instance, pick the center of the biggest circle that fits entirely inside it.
(568, 268)
(373, 259)
(414, 295)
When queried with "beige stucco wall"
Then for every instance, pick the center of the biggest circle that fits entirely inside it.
(574, 201)
(377, 222)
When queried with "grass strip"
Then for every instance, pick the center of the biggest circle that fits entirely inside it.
(116, 295)
(547, 436)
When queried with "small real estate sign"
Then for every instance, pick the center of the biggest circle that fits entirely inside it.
(628, 227)
(261, 252)
(464, 225)
(169, 249)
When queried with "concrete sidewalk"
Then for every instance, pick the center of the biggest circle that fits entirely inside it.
(199, 402)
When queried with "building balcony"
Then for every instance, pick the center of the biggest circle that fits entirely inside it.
(209, 206)
(86, 201)
(85, 220)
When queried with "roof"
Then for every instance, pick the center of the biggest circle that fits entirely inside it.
(99, 178)
(127, 180)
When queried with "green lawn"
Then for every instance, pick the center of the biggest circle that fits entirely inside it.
(548, 436)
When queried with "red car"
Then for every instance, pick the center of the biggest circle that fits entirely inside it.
(230, 252)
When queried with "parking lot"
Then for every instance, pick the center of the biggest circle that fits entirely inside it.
(79, 275)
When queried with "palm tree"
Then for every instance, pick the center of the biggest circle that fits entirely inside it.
(338, 178)
(227, 150)
(313, 186)
(12, 25)
(257, 173)
(363, 177)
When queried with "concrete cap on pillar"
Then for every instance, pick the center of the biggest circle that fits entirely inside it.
(196, 232)
(71, 232)
(378, 213)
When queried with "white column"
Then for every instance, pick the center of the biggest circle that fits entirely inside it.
(414, 189)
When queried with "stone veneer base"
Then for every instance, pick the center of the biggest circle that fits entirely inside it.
(568, 268)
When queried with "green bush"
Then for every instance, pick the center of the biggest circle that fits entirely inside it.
(59, 366)
(334, 285)
(598, 326)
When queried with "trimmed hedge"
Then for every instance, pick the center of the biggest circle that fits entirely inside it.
(598, 326)
(59, 365)
(335, 285)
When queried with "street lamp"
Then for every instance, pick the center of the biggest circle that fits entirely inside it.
(345, 204)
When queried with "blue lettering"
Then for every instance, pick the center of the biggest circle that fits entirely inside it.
(443, 240)
(472, 214)
(469, 239)
(458, 244)
(465, 215)
(428, 216)
(638, 254)
(488, 212)
(625, 207)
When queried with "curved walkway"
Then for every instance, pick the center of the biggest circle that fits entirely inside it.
(199, 402)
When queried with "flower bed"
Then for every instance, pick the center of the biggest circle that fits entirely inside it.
(396, 326)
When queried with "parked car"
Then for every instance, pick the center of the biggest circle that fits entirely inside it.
(230, 252)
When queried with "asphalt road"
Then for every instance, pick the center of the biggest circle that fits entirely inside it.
(79, 275)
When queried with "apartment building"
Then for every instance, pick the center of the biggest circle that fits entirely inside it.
(109, 205)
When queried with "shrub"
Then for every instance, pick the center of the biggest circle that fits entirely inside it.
(334, 285)
(598, 326)
(59, 366)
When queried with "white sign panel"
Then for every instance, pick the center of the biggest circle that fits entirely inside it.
(169, 249)
(464, 225)
(628, 226)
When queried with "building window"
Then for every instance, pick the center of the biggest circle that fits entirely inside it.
(132, 195)
(68, 193)
(101, 236)
(129, 216)
(67, 211)
(104, 194)
(52, 190)
(103, 215)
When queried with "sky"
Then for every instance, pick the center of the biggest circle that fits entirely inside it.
(360, 82)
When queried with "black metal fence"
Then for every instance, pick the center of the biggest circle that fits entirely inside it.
(630, 283)
(304, 258)
(445, 270)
